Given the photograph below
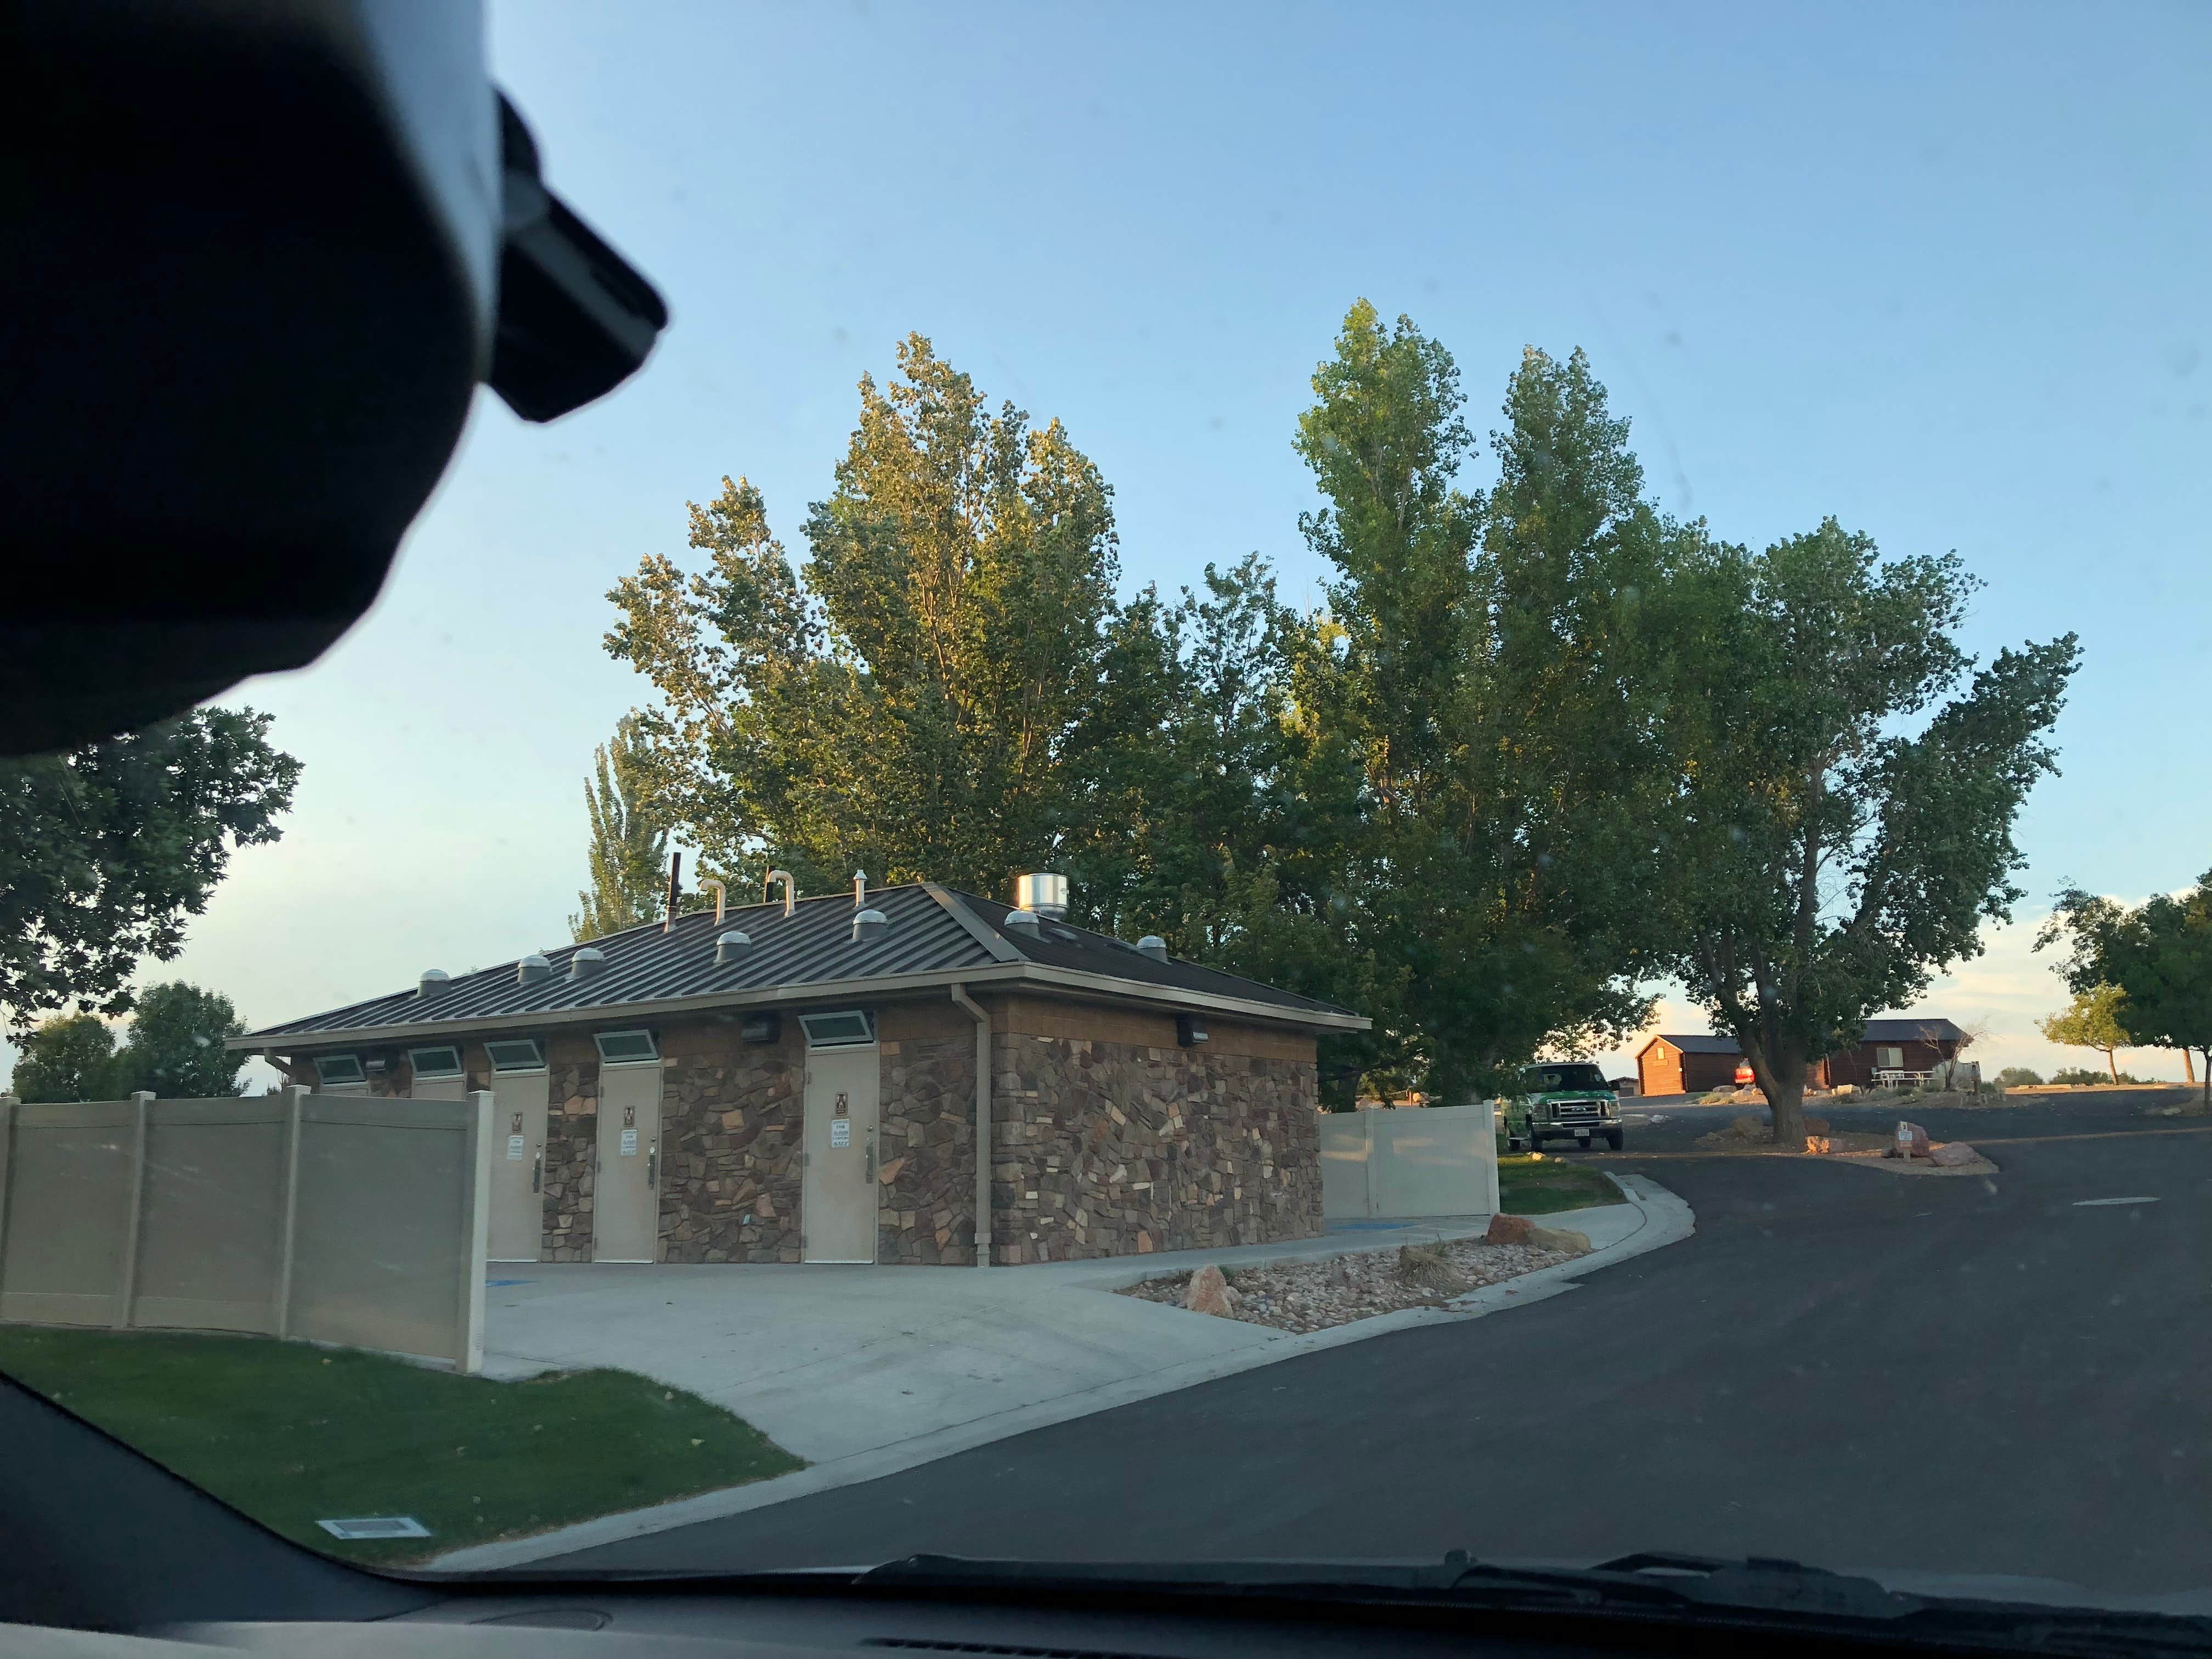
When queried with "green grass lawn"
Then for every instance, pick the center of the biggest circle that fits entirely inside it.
(292, 1435)
(1528, 1188)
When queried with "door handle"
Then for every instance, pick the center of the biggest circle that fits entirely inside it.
(868, 1162)
(652, 1164)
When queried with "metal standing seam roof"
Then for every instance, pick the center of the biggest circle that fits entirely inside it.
(933, 931)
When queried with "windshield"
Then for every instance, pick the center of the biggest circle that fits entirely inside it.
(905, 935)
(1546, 1078)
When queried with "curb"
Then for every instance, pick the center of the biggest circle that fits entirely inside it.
(1663, 1219)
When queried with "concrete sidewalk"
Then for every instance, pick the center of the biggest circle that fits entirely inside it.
(866, 1371)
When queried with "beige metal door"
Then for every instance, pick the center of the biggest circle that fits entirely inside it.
(438, 1088)
(837, 1213)
(518, 1165)
(626, 1191)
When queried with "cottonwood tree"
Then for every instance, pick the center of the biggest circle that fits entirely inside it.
(1483, 664)
(109, 851)
(911, 702)
(627, 857)
(1847, 784)
(2092, 1020)
(2159, 954)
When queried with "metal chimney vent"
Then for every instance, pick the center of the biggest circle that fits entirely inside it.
(1026, 921)
(1044, 893)
(731, 947)
(586, 962)
(531, 969)
(433, 983)
(1154, 946)
(869, 925)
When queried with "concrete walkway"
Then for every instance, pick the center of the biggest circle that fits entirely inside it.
(866, 1371)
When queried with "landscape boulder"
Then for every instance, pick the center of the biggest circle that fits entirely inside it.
(1816, 1126)
(1911, 1141)
(1508, 1229)
(1209, 1293)
(1954, 1154)
(1563, 1239)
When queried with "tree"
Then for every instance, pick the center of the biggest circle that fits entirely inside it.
(1480, 668)
(70, 1057)
(2091, 1021)
(109, 851)
(174, 1048)
(915, 701)
(628, 852)
(2159, 956)
(1829, 858)
(2019, 1076)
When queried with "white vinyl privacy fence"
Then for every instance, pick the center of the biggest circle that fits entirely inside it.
(1401, 1162)
(335, 1219)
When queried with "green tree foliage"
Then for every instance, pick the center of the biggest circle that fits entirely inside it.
(69, 1057)
(921, 699)
(2159, 953)
(109, 851)
(2019, 1076)
(2091, 1021)
(1482, 668)
(1834, 843)
(628, 852)
(174, 1049)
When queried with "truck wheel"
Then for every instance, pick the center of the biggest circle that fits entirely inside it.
(1615, 1138)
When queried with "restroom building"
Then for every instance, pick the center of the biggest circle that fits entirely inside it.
(803, 1080)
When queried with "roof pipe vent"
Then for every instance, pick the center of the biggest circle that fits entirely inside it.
(721, 895)
(1154, 946)
(1043, 892)
(531, 969)
(1027, 921)
(433, 983)
(869, 925)
(586, 962)
(732, 947)
(790, 888)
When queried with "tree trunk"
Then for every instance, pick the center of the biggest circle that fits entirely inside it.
(2112, 1065)
(1781, 1075)
(2189, 1068)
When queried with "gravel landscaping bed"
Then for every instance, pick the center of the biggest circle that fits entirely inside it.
(1312, 1296)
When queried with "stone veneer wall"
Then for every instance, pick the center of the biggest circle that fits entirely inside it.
(732, 1121)
(927, 1173)
(572, 1143)
(1106, 1148)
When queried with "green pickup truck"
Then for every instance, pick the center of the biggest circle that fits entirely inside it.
(1558, 1099)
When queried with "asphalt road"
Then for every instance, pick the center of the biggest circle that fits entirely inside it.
(1843, 1366)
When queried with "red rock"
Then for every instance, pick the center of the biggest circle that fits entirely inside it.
(1911, 1140)
(1209, 1292)
(1816, 1126)
(1508, 1229)
(1952, 1154)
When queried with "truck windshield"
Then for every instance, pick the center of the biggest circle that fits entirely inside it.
(1541, 1079)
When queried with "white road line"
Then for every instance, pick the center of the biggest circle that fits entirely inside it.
(2092, 1203)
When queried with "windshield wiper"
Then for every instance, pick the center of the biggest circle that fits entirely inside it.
(1650, 1586)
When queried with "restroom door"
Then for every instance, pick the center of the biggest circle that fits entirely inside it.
(626, 1191)
(838, 1209)
(518, 1165)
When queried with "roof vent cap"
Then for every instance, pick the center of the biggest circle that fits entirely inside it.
(1026, 921)
(1043, 892)
(531, 969)
(869, 925)
(586, 962)
(1154, 946)
(731, 947)
(433, 983)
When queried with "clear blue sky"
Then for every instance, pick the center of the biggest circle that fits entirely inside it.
(1940, 270)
